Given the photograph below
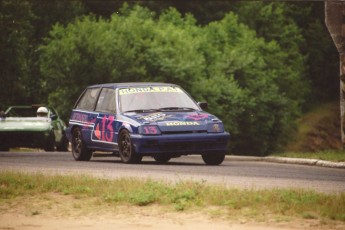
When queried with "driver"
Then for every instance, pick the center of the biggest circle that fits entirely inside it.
(42, 112)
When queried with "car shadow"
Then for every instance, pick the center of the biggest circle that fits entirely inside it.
(145, 161)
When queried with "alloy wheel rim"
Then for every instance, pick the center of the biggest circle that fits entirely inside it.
(126, 146)
(77, 143)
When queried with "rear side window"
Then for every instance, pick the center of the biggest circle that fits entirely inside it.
(88, 100)
(106, 101)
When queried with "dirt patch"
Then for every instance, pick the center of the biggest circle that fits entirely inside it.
(318, 130)
(56, 211)
(139, 221)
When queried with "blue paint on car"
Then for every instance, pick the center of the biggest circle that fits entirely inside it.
(134, 120)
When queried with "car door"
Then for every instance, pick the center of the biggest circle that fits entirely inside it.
(57, 126)
(104, 133)
(84, 114)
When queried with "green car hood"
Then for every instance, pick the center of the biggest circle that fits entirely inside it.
(25, 124)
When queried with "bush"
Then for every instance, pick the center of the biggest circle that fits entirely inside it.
(223, 62)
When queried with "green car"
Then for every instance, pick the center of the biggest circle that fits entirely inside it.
(33, 126)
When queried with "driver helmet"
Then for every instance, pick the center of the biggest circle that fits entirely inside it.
(42, 112)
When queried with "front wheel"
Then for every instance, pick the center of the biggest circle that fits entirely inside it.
(79, 150)
(213, 158)
(126, 150)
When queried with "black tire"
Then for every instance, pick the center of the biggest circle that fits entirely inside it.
(162, 158)
(126, 150)
(213, 158)
(79, 150)
(49, 146)
(63, 145)
(4, 148)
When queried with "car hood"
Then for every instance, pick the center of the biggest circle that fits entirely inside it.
(25, 124)
(176, 121)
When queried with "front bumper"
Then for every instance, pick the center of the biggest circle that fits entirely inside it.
(30, 139)
(183, 144)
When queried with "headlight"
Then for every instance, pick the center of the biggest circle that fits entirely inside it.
(215, 127)
(149, 130)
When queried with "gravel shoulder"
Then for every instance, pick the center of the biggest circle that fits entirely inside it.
(57, 211)
(133, 218)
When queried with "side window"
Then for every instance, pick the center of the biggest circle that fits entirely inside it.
(106, 101)
(88, 100)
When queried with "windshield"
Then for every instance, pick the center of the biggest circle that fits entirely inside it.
(21, 112)
(155, 98)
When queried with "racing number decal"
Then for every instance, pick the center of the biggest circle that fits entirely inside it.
(104, 130)
(150, 130)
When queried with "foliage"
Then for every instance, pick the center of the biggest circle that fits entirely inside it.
(15, 33)
(298, 28)
(223, 63)
(23, 24)
(258, 64)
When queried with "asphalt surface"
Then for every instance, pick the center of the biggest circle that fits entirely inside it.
(234, 172)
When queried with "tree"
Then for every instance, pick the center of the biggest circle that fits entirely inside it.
(223, 62)
(244, 87)
(322, 56)
(291, 77)
(60, 11)
(22, 26)
(15, 33)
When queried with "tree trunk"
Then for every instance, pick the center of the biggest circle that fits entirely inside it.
(335, 22)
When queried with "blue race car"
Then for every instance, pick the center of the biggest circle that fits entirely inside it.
(134, 120)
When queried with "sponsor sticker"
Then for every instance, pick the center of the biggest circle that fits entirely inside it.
(197, 117)
(155, 89)
(80, 117)
(182, 123)
(154, 117)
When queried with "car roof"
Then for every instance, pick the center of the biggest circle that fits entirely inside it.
(131, 84)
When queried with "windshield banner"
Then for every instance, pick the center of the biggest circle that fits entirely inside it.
(162, 89)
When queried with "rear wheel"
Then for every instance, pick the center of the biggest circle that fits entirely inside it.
(50, 143)
(126, 150)
(63, 145)
(213, 158)
(4, 148)
(79, 150)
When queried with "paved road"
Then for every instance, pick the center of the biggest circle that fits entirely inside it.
(232, 173)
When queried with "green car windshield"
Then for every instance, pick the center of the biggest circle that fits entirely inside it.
(21, 112)
(160, 98)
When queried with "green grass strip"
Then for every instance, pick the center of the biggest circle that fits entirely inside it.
(181, 196)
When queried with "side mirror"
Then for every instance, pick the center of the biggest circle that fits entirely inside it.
(203, 105)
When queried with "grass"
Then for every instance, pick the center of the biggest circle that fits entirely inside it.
(330, 155)
(180, 197)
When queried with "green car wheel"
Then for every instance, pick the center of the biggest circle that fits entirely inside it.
(50, 143)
